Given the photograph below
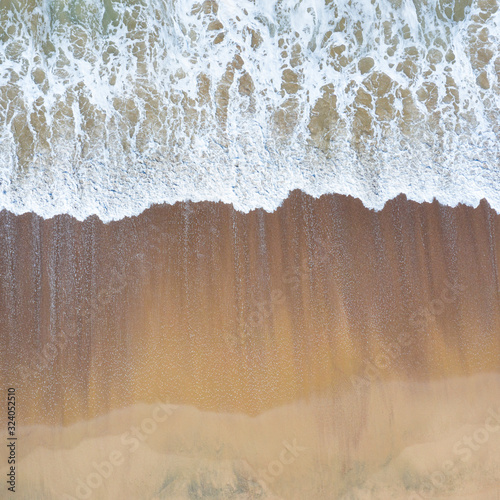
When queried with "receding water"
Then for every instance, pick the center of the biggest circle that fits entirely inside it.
(109, 106)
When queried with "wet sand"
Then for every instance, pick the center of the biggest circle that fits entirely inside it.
(322, 351)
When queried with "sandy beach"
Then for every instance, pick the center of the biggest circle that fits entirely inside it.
(322, 351)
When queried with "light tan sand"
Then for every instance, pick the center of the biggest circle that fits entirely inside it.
(372, 339)
(394, 441)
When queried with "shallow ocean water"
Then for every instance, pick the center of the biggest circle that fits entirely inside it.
(107, 107)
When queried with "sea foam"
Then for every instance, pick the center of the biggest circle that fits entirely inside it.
(108, 107)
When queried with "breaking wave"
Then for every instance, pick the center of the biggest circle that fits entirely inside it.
(108, 106)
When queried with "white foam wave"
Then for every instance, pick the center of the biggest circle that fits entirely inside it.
(108, 107)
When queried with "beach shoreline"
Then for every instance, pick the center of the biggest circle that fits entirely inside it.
(369, 338)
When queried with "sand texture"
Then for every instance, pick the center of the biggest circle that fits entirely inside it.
(322, 351)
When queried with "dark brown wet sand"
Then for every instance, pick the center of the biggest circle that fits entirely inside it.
(322, 351)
